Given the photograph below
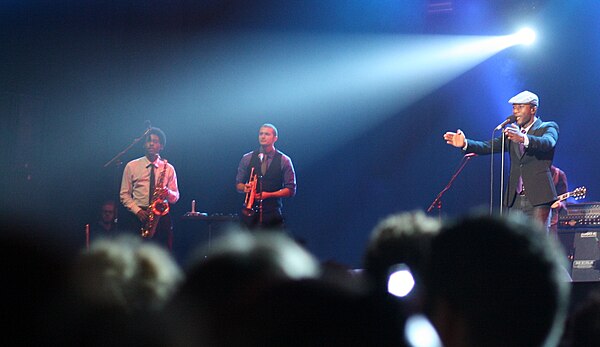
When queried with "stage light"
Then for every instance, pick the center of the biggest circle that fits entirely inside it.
(525, 36)
(401, 281)
(308, 78)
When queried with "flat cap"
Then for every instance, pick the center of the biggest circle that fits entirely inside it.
(525, 97)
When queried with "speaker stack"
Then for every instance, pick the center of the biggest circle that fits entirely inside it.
(579, 231)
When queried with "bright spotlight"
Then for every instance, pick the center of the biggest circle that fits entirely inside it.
(400, 281)
(525, 36)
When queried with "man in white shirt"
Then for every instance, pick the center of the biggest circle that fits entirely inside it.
(146, 179)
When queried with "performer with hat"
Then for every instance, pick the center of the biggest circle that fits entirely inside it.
(531, 144)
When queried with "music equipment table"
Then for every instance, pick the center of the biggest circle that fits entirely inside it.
(210, 219)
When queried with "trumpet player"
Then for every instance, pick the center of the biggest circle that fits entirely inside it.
(141, 181)
(275, 180)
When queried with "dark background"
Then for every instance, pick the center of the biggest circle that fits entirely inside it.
(80, 78)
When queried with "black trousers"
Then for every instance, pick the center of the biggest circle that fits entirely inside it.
(270, 220)
(541, 213)
(164, 229)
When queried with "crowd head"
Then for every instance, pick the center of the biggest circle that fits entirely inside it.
(496, 281)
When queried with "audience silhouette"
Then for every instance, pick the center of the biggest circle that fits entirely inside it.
(480, 280)
(496, 281)
(583, 324)
(224, 280)
(400, 238)
(120, 286)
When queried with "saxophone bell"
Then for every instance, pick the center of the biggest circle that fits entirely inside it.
(160, 208)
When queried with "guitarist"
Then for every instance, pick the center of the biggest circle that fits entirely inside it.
(560, 183)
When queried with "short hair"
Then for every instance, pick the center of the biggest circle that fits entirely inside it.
(109, 202)
(126, 274)
(501, 275)
(269, 125)
(158, 132)
(266, 253)
(534, 106)
(224, 280)
(399, 238)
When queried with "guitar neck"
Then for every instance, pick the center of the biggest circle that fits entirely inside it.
(564, 196)
(576, 194)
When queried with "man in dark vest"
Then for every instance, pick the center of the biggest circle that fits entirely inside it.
(275, 179)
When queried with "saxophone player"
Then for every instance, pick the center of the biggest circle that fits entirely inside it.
(276, 180)
(141, 184)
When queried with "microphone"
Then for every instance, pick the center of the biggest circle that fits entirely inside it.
(470, 155)
(508, 120)
(148, 127)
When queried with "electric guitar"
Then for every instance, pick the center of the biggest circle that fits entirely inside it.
(578, 193)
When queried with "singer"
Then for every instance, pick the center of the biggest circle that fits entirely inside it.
(531, 144)
(276, 180)
(137, 189)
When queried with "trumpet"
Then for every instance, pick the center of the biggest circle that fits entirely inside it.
(248, 209)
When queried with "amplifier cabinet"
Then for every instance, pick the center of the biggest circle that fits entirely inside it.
(586, 255)
(578, 231)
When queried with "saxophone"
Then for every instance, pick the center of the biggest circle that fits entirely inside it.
(158, 207)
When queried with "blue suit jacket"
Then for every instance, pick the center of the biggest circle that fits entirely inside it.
(533, 165)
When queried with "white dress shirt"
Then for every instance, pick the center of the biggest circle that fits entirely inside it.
(135, 185)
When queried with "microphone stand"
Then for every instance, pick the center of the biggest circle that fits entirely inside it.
(510, 119)
(502, 174)
(117, 162)
(260, 203)
(437, 202)
(116, 157)
(262, 157)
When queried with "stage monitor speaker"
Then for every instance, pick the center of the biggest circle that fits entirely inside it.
(586, 257)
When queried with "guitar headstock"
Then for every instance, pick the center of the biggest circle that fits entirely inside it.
(578, 193)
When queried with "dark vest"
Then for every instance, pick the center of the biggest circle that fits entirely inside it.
(272, 180)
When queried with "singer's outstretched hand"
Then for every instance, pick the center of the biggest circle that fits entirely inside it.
(456, 139)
